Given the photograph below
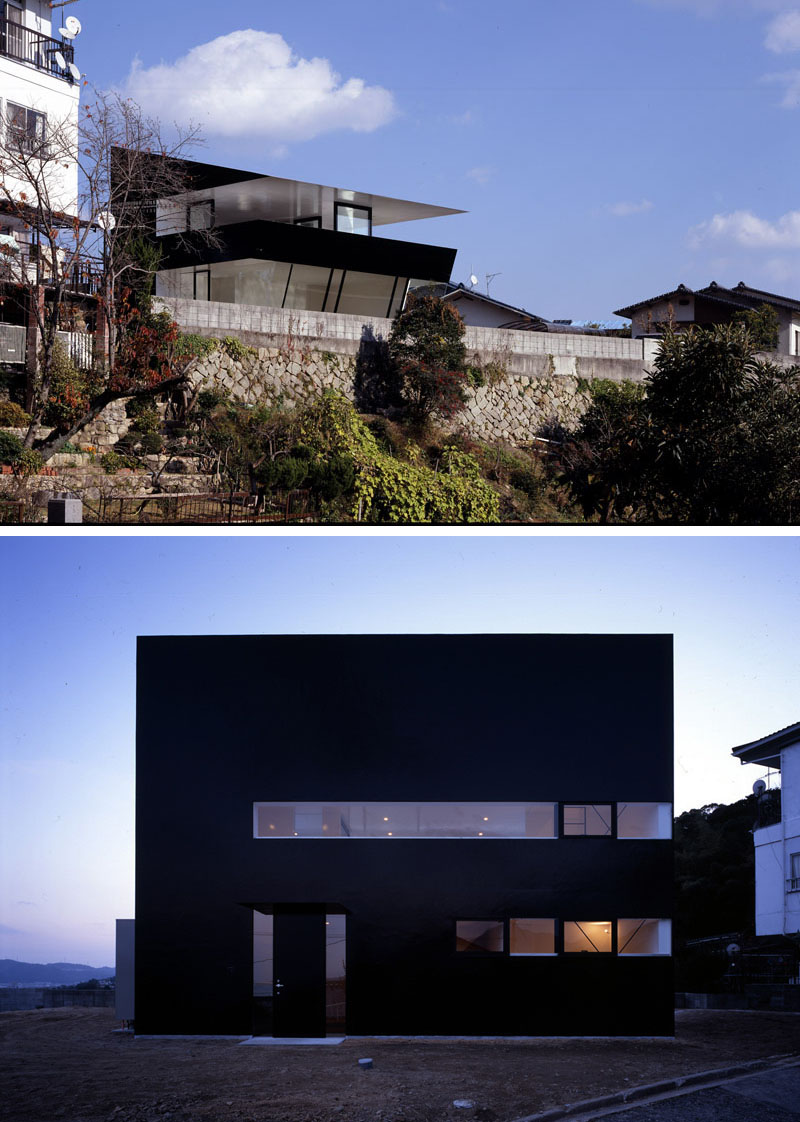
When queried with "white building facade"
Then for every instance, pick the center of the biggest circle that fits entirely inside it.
(777, 843)
(39, 100)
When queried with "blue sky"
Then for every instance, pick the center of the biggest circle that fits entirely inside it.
(605, 152)
(72, 608)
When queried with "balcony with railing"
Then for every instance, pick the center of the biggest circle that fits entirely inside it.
(30, 47)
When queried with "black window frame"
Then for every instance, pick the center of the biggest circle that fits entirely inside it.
(351, 206)
(588, 802)
(577, 954)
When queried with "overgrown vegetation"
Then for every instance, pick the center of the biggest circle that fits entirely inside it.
(711, 438)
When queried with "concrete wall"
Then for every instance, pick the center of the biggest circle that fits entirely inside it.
(777, 905)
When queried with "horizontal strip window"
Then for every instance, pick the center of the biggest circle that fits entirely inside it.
(405, 820)
(462, 820)
(529, 937)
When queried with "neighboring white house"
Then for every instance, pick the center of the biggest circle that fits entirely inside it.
(777, 843)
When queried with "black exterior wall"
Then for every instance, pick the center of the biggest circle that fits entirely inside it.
(301, 245)
(225, 722)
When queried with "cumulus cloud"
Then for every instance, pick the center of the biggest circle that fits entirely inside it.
(745, 229)
(622, 210)
(783, 33)
(251, 83)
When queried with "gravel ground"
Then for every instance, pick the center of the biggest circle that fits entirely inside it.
(68, 1065)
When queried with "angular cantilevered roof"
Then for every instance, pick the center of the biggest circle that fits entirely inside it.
(767, 750)
(251, 196)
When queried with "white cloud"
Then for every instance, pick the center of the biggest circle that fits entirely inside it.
(790, 80)
(783, 33)
(251, 83)
(622, 210)
(481, 174)
(745, 229)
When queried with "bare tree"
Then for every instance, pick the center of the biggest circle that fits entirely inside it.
(82, 197)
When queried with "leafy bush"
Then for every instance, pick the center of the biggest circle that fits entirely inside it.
(144, 414)
(28, 463)
(151, 443)
(13, 415)
(195, 346)
(426, 347)
(237, 350)
(112, 462)
(11, 448)
(69, 392)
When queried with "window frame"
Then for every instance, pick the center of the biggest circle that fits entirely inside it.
(557, 942)
(575, 954)
(315, 218)
(340, 204)
(502, 923)
(26, 142)
(612, 835)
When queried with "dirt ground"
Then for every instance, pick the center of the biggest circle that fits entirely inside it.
(68, 1065)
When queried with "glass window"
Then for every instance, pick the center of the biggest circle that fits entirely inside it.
(308, 285)
(644, 936)
(794, 872)
(25, 129)
(334, 288)
(249, 281)
(587, 818)
(335, 971)
(366, 294)
(644, 820)
(399, 298)
(202, 284)
(352, 219)
(532, 936)
(592, 936)
(405, 820)
(479, 936)
(201, 215)
(262, 955)
(315, 222)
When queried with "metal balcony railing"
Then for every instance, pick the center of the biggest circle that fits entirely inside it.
(34, 49)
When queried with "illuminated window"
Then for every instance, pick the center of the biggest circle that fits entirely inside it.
(532, 936)
(405, 820)
(644, 820)
(588, 936)
(644, 936)
(480, 936)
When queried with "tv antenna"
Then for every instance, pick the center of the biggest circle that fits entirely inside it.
(489, 278)
(62, 3)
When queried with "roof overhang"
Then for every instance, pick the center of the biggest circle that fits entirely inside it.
(767, 750)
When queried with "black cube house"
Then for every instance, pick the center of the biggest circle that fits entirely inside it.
(413, 834)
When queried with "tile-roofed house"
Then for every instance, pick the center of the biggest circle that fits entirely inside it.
(715, 304)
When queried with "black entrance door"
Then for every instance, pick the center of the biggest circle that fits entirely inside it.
(299, 975)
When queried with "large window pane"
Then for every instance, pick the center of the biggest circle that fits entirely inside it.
(532, 936)
(366, 294)
(644, 936)
(307, 287)
(262, 955)
(405, 820)
(592, 936)
(587, 818)
(479, 936)
(335, 972)
(644, 820)
(249, 281)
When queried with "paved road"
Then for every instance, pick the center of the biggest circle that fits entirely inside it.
(772, 1096)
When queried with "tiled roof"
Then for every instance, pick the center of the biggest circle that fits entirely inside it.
(740, 297)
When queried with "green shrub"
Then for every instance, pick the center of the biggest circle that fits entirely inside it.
(195, 346)
(113, 462)
(151, 443)
(28, 462)
(144, 414)
(236, 349)
(11, 448)
(13, 415)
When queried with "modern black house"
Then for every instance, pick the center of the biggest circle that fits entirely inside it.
(284, 243)
(406, 834)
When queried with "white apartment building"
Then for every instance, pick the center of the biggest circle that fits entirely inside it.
(777, 843)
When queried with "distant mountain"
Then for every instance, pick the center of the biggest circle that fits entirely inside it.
(49, 974)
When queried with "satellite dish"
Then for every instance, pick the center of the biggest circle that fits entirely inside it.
(106, 220)
(72, 27)
(473, 280)
(759, 787)
(732, 949)
(60, 61)
(76, 74)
